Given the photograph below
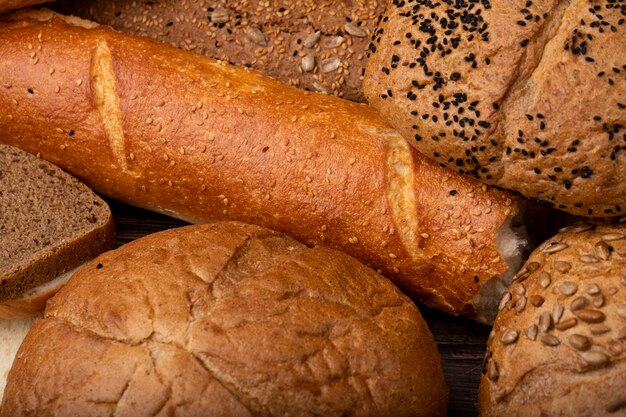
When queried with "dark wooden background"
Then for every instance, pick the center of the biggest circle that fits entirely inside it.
(461, 342)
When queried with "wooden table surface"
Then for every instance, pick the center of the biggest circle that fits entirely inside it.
(461, 342)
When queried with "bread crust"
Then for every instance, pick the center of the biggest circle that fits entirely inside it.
(275, 37)
(529, 97)
(202, 140)
(232, 320)
(558, 346)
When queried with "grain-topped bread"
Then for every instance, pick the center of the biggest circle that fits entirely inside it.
(50, 223)
(527, 95)
(558, 346)
(227, 319)
(316, 45)
(201, 140)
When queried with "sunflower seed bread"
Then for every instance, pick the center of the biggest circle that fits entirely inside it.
(558, 346)
(50, 223)
(527, 95)
(316, 45)
(227, 319)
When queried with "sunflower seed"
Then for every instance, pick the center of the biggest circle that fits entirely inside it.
(582, 228)
(533, 266)
(308, 63)
(598, 329)
(568, 288)
(545, 280)
(568, 323)
(319, 87)
(355, 30)
(522, 275)
(590, 316)
(531, 332)
(219, 16)
(612, 290)
(256, 36)
(621, 311)
(557, 312)
(492, 370)
(614, 347)
(550, 340)
(622, 280)
(545, 322)
(610, 237)
(598, 301)
(492, 334)
(562, 266)
(622, 334)
(595, 358)
(312, 39)
(505, 299)
(616, 404)
(589, 259)
(509, 336)
(332, 42)
(578, 303)
(555, 247)
(579, 342)
(330, 64)
(518, 289)
(603, 251)
(536, 300)
(520, 304)
(592, 289)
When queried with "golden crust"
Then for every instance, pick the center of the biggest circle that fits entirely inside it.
(231, 316)
(202, 140)
(558, 343)
(526, 96)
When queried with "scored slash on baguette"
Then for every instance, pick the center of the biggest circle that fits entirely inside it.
(202, 140)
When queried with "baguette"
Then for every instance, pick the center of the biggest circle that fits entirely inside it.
(201, 140)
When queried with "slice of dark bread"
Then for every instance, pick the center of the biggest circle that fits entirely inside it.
(49, 223)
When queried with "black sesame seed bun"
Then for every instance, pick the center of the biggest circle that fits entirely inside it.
(558, 346)
(527, 95)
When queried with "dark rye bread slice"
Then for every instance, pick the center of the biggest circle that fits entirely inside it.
(50, 223)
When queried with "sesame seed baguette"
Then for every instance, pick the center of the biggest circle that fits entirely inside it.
(201, 140)
(558, 346)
